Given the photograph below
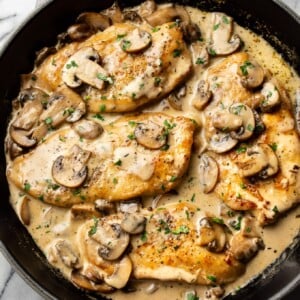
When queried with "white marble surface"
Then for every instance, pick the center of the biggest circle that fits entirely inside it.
(12, 13)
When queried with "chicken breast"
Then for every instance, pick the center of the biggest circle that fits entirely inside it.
(172, 247)
(134, 156)
(125, 80)
(258, 160)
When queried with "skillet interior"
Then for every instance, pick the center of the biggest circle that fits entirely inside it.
(260, 15)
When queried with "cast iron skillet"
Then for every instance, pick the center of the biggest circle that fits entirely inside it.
(269, 18)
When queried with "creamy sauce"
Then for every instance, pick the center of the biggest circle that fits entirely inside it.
(50, 222)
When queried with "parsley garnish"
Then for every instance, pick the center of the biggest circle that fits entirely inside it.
(274, 146)
(144, 236)
(118, 162)
(173, 179)
(182, 229)
(157, 81)
(241, 149)
(105, 78)
(200, 61)
(212, 278)
(275, 209)
(176, 52)
(131, 136)
(217, 220)
(237, 225)
(27, 187)
(216, 26)
(126, 45)
(211, 51)
(99, 117)
(72, 64)
(102, 108)
(191, 296)
(93, 228)
(244, 68)
(120, 36)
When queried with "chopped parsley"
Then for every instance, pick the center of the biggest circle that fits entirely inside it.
(237, 109)
(216, 26)
(241, 149)
(217, 220)
(144, 236)
(157, 81)
(132, 123)
(165, 147)
(133, 96)
(27, 187)
(243, 185)
(120, 37)
(200, 61)
(105, 78)
(131, 136)
(126, 45)
(48, 121)
(177, 52)
(41, 198)
(102, 108)
(115, 180)
(212, 52)
(155, 29)
(274, 146)
(181, 229)
(99, 117)
(236, 225)
(212, 278)
(72, 64)
(191, 296)
(68, 111)
(118, 162)
(93, 228)
(275, 209)
(244, 68)
(193, 198)
(173, 179)
(225, 20)
(250, 127)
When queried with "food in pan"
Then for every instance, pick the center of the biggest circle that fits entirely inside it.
(151, 151)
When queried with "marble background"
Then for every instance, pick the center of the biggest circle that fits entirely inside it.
(12, 13)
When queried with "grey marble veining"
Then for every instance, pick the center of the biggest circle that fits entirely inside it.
(12, 13)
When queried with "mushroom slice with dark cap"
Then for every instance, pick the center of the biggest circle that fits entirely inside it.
(175, 98)
(222, 142)
(147, 8)
(202, 95)
(252, 74)
(137, 40)
(297, 111)
(150, 135)
(76, 32)
(66, 254)
(133, 223)
(168, 14)
(84, 211)
(83, 282)
(96, 21)
(121, 274)
(25, 211)
(22, 137)
(83, 67)
(71, 170)
(248, 121)
(33, 107)
(222, 41)
(226, 121)
(88, 129)
(114, 13)
(112, 238)
(273, 164)
(208, 173)
(271, 96)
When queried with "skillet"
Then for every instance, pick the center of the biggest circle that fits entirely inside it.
(272, 20)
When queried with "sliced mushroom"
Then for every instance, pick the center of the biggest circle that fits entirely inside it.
(130, 206)
(168, 14)
(222, 142)
(83, 282)
(258, 160)
(252, 74)
(247, 116)
(96, 21)
(39, 132)
(191, 31)
(200, 54)
(211, 235)
(71, 170)
(43, 54)
(226, 121)
(88, 129)
(214, 293)
(66, 254)
(150, 135)
(83, 67)
(24, 211)
(273, 164)
(112, 238)
(84, 211)
(33, 107)
(121, 274)
(244, 248)
(208, 173)
(202, 96)
(77, 32)
(259, 124)
(249, 227)
(222, 40)
(104, 206)
(147, 8)
(175, 98)
(252, 161)
(13, 149)
(63, 105)
(114, 12)
(135, 41)
(271, 97)
(22, 137)
(133, 223)
(132, 16)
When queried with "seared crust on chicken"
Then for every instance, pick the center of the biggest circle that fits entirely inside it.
(118, 165)
(131, 79)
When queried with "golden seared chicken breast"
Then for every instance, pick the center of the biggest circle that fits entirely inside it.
(121, 68)
(253, 146)
(133, 156)
(176, 242)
